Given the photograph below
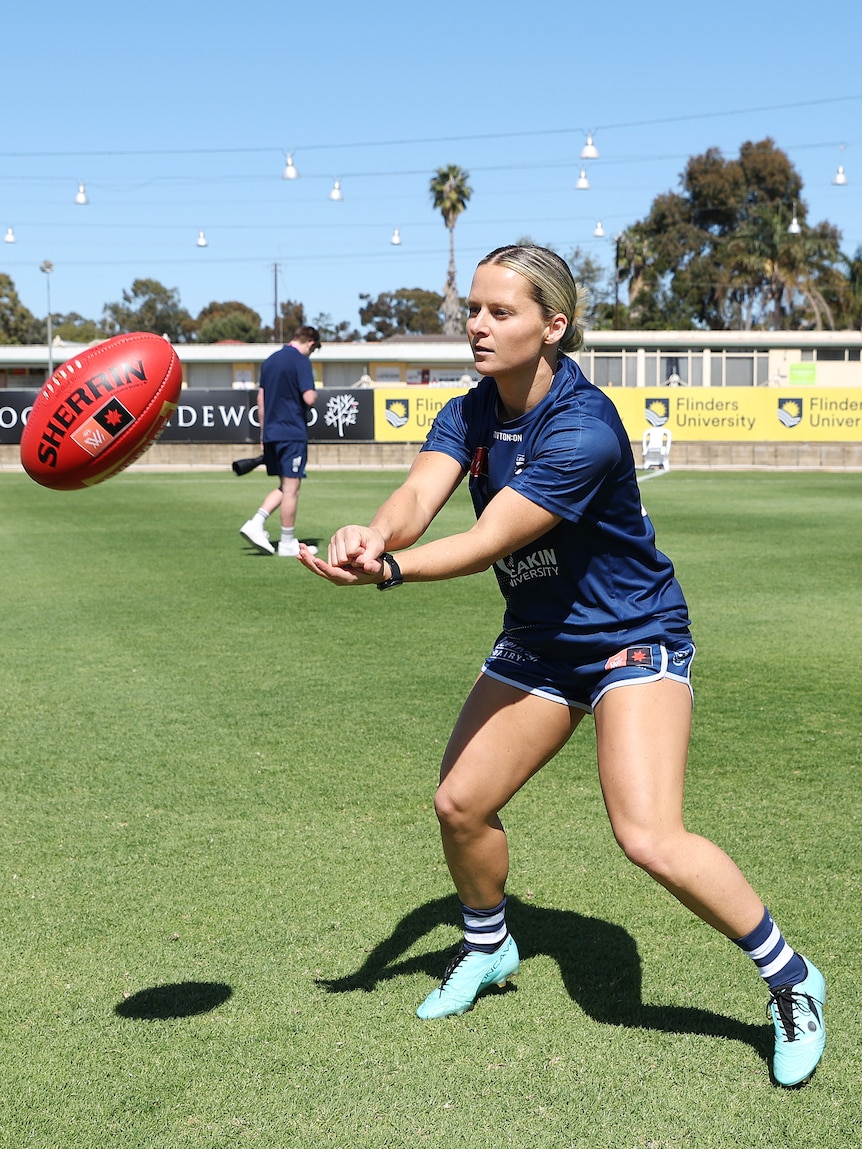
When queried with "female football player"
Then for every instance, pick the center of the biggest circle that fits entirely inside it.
(595, 623)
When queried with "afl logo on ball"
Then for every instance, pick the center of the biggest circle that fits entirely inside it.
(102, 427)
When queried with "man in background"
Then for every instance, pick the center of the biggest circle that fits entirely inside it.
(286, 393)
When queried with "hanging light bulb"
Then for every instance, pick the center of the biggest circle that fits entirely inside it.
(9, 237)
(202, 239)
(840, 179)
(583, 184)
(794, 228)
(599, 233)
(81, 196)
(335, 194)
(589, 151)
(290, 172)
(396, 238)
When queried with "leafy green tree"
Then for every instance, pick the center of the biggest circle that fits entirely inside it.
(718, 254)
(852, 316)
(233, 327)
(17, 324)
(408, 311)
(149, 306)
(228, 321)
(788, 280)
(74, 328)
(450, 194)
(332, 332)
(595, 282)
(291, 315)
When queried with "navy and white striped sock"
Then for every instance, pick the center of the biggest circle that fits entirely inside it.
(776, 962)
(485, 930)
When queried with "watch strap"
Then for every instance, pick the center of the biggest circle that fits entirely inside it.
(395, 576)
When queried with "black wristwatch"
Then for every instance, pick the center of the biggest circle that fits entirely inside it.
(395, 577)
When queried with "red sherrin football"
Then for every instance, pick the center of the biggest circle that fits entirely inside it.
(100, 411)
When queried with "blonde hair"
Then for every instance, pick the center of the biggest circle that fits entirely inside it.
(554, 286)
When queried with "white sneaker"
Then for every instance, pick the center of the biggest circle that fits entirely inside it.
(257, 536)
(289, 550)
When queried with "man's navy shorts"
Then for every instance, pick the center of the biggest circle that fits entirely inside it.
(287, 460)
(582, 685)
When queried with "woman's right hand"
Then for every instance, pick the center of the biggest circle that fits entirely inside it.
(354, 557)
(357, 548)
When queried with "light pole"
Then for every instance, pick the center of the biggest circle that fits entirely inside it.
(47, 266)
(275, 296)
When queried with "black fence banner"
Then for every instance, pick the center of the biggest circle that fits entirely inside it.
(228, 416)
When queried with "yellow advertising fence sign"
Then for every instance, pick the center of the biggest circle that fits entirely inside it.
(405, 414)
(691, 414)
(743, 414)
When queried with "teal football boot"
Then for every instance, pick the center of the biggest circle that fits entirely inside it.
(467, 974)
(800, 1027)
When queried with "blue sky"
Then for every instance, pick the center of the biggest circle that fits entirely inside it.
(177, 117)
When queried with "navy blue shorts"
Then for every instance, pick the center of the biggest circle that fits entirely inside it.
(287, 460)
(583, 685)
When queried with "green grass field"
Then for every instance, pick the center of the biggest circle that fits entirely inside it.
(223, 891)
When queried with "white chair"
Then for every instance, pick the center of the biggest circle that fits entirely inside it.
(656, 448)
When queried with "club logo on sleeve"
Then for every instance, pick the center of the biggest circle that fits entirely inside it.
(103, 427)
(631, 656)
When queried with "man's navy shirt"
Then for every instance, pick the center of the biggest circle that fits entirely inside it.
(284, 377)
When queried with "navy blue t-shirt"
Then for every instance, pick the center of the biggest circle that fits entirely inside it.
(284, 377)
(595, 581)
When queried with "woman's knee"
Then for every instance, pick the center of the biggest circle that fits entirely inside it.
(455, 812)
(449, 811)
(650, 850)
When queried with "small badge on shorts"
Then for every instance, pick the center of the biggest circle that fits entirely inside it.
(631, 656)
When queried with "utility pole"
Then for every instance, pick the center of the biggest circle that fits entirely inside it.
(275, 338)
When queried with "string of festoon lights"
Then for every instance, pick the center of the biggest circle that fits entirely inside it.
(589, 153)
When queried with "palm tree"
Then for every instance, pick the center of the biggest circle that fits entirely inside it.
(853, 290)
(784, 279)
(450, 193)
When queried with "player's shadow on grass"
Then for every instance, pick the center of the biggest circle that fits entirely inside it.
(598, 962)
(182, 999)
